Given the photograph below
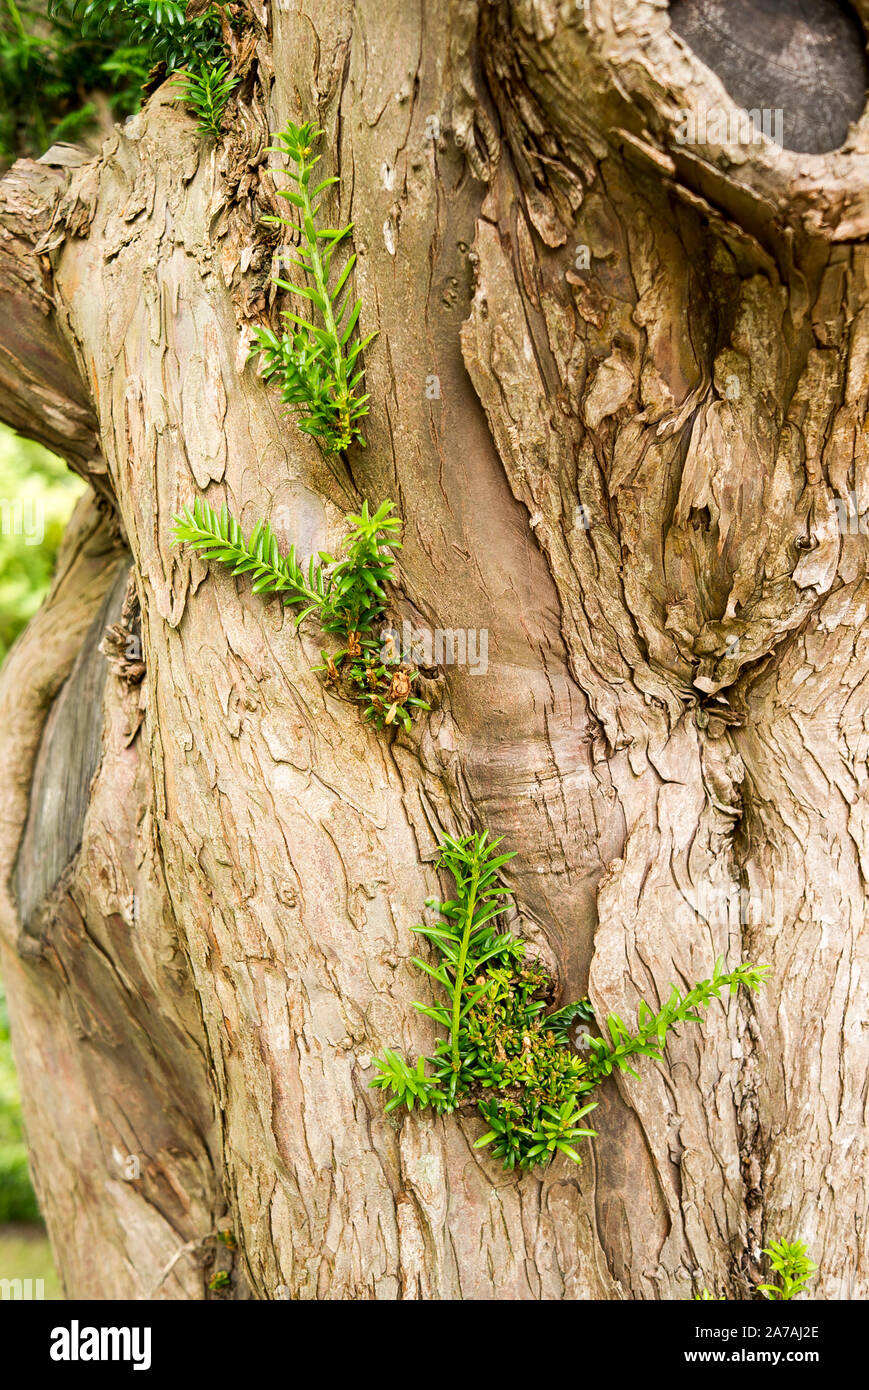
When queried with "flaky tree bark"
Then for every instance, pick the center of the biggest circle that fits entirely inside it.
(619, 391)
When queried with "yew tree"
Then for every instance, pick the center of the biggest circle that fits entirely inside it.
(619, 397)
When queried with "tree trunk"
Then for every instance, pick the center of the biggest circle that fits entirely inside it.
(619, 394)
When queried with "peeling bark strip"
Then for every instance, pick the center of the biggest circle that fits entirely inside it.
(620, 395)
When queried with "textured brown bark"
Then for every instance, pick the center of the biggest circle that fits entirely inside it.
(629, 475)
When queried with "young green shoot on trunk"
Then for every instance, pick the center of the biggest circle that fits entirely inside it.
(503, 1051)
(315, 364)
(346, 594)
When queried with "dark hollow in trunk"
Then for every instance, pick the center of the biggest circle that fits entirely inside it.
(806, 57)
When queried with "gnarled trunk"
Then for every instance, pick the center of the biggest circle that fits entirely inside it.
(619, 395)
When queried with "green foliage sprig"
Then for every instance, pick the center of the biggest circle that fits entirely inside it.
(49, 73)
(160, 27)
(59, 63)
(653, 1027)
(502, 1052)
(790, 1261)
(314, 363)
(347, 594)
(206, 90)
(54, 61)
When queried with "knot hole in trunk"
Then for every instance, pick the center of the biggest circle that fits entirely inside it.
(805, 59)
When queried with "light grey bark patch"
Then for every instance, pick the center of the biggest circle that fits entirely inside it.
(298, 517)
(68, 757)
(806, 58)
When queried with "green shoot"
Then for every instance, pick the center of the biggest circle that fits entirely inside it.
(206, 90)
(790, 1261)
(649, 1039)
(314, 363)
(501, 1050)
(347, 594)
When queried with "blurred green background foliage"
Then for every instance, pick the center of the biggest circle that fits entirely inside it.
(37, 495)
